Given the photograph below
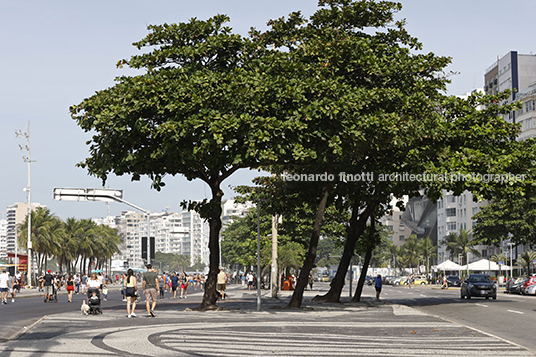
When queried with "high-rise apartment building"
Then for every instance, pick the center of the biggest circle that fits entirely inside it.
(3, 238)
(512, 71)
(15, 215)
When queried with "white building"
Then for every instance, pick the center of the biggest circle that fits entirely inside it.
(3, 238)
(455, 213)
(184, 233)
(512, 71)
(15, 216)
(526, 116)
(398, 231)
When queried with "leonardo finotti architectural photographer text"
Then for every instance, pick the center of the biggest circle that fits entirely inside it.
(405, 176)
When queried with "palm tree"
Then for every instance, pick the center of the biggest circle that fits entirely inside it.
(46, 230)
(427, 250)
(461, 244)
(412, 251)
(526, 259)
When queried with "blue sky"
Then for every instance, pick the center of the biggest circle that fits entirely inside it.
(56, 53)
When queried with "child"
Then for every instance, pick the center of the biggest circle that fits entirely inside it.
(105, 292)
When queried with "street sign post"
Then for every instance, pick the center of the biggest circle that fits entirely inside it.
(102, 195)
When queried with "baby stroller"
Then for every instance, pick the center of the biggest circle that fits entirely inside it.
(54, 296)
(94, 301)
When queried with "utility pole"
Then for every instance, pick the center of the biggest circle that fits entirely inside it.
(275, 271)
(27, 159)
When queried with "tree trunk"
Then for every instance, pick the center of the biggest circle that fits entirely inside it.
(368, 255)
(358, 224)
(303, 279)
(210, 295)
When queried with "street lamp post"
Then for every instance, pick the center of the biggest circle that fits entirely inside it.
(27, 159)
(102, 195)
(258, 258)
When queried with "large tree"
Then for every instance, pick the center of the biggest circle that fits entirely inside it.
(207, 105)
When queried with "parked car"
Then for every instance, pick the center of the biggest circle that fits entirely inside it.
(325, 277)
(400, 280)
(516, 284)
(420, 280)
(529, 281)
(478, 285)
(454, 280)
(531, 290)
(388, 280)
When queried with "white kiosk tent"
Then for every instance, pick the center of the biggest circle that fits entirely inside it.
(449, 265)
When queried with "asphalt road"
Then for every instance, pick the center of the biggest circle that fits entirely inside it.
(511, 317)
(368, 328)
(26, 310)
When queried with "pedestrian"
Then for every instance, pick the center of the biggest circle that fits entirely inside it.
(105, 292)
(83, 283)
(123, 287)
(184, 286)
(378, 286)
(150, 287)
(161, 285)
(174, 281)
(4, 286)
(222, 283)
(243, 279)
(70, 288)
(311, 281)
(131, 292)
(445, 283)
(48, 285)
(15, 287)
(250, 281)
(77, 283)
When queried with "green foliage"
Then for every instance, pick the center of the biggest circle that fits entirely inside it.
(461, 243)
(71, 242)
(507, 219)
(239, 243)
(171, 262)
(198, 265)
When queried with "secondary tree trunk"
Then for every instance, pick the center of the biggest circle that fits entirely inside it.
(210, 295)
(358, 224)
(368, 255)
(303, 278)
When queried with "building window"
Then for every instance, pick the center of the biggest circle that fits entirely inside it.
(475, 210)
(451, 212)
(401, 238)
(528, 124)
(451, 199)
(451, 226)
(440, 204)
(401, 227)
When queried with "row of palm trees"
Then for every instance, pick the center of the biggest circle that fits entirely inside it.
(411, 254)
(77, 244)
(462, 243)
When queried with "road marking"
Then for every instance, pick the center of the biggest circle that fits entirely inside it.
(423, 295)
(482, 305)
(516, 312)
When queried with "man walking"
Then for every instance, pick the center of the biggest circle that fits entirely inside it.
(222, 283)
(378, 286)
(150, 287)
(4, 286)
(48, 285)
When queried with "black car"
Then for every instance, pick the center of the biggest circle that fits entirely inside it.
(478, 285)
(454, 280)
(516, 284)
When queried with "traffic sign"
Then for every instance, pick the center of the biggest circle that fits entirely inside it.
(87, 194)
